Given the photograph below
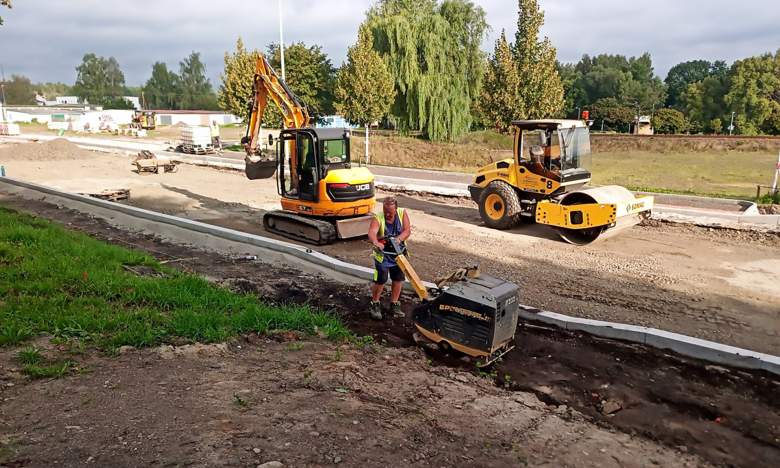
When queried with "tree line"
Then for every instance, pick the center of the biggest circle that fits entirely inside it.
(101, 82)
(417, 66)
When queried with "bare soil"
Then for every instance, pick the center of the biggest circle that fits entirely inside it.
(717, 284)
(558, 399)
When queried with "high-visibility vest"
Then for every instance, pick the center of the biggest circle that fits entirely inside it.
(379, 256)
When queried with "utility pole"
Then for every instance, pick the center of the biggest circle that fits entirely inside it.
(731, 125)
(281, 40)
(2, 90)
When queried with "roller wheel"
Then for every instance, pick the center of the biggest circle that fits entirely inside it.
(499, 205)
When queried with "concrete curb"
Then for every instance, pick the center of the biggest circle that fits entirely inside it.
(680, 344)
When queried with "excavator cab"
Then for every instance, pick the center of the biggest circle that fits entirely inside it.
(305, 156)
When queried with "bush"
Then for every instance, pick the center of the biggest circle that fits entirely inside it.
(669, 121)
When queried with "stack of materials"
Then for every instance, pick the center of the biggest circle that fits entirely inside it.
(9, 129)
(196, 140)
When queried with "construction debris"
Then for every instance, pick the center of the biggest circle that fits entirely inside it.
(110, 195)
(147, 162)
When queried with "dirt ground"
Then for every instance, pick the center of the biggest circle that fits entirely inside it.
(720, 285)
(558, 399)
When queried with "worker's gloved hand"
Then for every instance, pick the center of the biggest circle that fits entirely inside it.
(378, 244)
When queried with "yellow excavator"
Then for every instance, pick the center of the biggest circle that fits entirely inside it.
(544, 183)
(324, 197)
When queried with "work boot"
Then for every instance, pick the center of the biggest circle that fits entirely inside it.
(375, 310)
(395, 308)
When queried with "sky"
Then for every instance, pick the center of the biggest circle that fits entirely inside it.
(46, 39)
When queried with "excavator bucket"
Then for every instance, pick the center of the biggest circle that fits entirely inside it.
(261, 169)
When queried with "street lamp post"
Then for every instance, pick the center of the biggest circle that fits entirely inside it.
(731, 125)
(281, 40)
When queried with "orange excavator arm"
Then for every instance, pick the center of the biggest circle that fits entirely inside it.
(268, 85)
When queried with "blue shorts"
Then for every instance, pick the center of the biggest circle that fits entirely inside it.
(381, 272)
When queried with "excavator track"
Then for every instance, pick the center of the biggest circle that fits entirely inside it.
(311, 230)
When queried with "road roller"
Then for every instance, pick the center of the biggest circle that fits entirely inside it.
(546, 182)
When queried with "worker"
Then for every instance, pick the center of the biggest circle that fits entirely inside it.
(391, 222)
(215, 141)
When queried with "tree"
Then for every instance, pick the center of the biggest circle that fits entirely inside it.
(194, 88)
(703, 104)
(630, 80)
(499, 103)
(541, 91)
(684, 74)
(52, 90)
(99, 79)
(432, 51)
(236, 89)
(364, 86)
(5, 3)
(754, 94)
(18, 91)
(669, 121)
(614, 115)
(161, 89)
(309, 73)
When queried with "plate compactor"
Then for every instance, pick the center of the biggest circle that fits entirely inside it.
(473, 313)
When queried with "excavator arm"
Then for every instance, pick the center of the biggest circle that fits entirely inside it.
(268, 85)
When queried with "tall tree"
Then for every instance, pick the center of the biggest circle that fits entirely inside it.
(195, 90)
(684, 74)
(704, 106)
(432, 51)
(754, 94)
(18, 91)
(499, 102)
(630, 80)
(541, 90)
(235, 92)
(162, 88)
(99, 79)
(364, 86)
(309, 73)
(5, 3)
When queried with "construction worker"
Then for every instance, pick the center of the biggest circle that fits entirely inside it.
(215, 141)
(391, 222)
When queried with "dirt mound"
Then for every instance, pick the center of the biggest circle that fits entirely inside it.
(769, 209)
(58, 149)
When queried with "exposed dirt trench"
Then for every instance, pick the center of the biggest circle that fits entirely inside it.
(728, 417)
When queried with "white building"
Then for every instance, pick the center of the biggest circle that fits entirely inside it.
(194, 117)
(71, 118)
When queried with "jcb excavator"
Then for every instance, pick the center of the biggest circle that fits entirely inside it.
(544, 183)
(324, 198)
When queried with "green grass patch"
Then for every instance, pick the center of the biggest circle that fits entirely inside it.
(49, 371)
(75, 288)
(29, 356)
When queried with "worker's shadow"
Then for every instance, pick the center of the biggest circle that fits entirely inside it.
(467, 212)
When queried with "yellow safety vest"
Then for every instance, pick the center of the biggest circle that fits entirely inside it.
(380, 217)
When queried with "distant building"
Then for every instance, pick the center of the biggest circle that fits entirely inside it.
(642, 125)
(334, 121)
(134, 100)
(193, 117)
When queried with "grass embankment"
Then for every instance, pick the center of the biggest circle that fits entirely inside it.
(88, 293)
(697, 166)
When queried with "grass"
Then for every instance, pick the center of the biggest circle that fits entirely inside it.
(709, 173)
(75, 288)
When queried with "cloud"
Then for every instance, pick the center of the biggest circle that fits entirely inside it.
(45, 39)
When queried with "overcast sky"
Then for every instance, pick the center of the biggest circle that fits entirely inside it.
(45, 39)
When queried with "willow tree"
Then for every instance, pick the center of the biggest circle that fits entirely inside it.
(433, 53)
(541, 90)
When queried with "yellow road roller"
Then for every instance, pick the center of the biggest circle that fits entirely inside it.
(545, 182)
